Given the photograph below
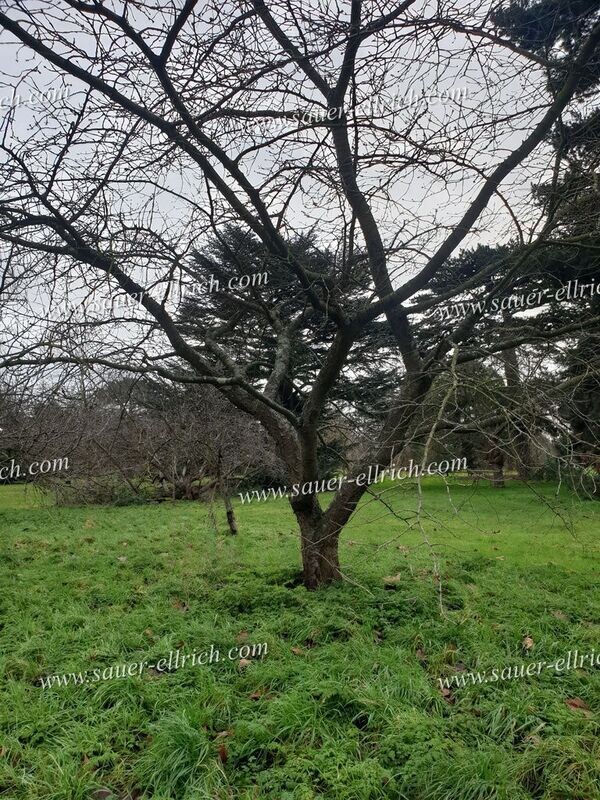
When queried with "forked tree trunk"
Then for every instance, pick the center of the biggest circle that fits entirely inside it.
(319, 531)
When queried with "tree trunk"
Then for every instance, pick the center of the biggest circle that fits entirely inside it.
(320, 531)
(223, 491)
(319, 548)
(519, 432)
(231, 520)
(497, 461)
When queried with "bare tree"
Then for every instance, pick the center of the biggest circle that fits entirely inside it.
(186, 118)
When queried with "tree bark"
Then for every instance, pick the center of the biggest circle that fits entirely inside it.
(223, 491)
(519, 432)
(319, 547)
(320, 531)
(497, 461)
(231, 520)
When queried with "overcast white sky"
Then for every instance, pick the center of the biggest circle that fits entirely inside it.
(418, 201)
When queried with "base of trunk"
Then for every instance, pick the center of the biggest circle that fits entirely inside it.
(320, 559)
(232, 522)
(321, 568)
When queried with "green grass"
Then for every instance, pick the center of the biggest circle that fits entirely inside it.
(356, 712)
(24, 496)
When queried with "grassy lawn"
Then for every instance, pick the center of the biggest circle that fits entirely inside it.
(346, 703)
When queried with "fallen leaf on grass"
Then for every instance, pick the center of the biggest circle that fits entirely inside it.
(154, 673)
(527, 643)
(447, 695)
(533, 740)
(577, 704)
